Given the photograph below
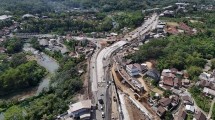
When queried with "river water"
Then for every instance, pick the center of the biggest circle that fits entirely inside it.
(43, 60)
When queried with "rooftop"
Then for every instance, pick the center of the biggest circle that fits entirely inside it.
(4, 17)
(190, 108)
(165, 101)
(200, 116)
(79, 105)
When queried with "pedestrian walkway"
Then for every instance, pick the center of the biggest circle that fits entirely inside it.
(124, 110)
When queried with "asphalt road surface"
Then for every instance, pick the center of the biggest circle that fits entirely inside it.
(99, 74)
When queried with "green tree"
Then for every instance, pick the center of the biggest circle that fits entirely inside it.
(35, 44)
(168, 116)
(212, 63)
(25, 75)
(194, 71)
(18, 59)
(13, 45)
(14, 113)
(167, 93)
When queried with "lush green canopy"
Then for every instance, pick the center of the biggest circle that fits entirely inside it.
(181, 52)
(25, 75)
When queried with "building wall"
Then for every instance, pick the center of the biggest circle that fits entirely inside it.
(132, 72)
(80, 112)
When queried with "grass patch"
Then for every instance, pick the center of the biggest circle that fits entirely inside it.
(213, 113)
(189, 117)
(172, 24)
(202, 102)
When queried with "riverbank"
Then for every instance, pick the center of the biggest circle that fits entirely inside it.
(43, 60)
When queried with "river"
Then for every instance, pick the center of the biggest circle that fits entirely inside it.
(43, 60)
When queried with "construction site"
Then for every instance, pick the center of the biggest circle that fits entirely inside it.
(135, 99)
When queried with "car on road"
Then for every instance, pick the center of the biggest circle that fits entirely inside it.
(114, 98)
(109, 82)
(102, 107)
(103, 115)
(101, 101)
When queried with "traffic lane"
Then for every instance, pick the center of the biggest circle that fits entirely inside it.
(102, 75)
(108, 103)
(108, 92)
(100, 95)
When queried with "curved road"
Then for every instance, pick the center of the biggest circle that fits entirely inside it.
(100, 71)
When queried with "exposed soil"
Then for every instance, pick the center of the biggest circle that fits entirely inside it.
(134, 112)
(84, 93)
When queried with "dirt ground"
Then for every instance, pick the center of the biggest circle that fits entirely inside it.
(172, 24)
(134, 112)
(84, 93)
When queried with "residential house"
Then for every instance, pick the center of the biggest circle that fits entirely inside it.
(141, 67)
(168, 82)
(185, 83)
(182, 115)
(204, 76)
(190, 108)
(207, 80)
(154, 74)
(199, 116)
(177, 83)
(209, 91)
(160, 111)
(187, 100)
(44, 42)
(208, 84)
(165, 102)
(171, 78)
(175, 100)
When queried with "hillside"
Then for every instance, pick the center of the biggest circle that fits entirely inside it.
(38, 6)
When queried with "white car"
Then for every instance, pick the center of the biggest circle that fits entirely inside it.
(103, 115)
(102, 108)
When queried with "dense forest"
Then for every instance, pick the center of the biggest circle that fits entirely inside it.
(101, 23)
(25, 75)
(12, 45)
(40, 6)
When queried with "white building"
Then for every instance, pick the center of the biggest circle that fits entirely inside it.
(132, 70)
(28, 16)
(160, 28)
(190, 108)
(5, 17)
(80, 110)
(209, 91)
